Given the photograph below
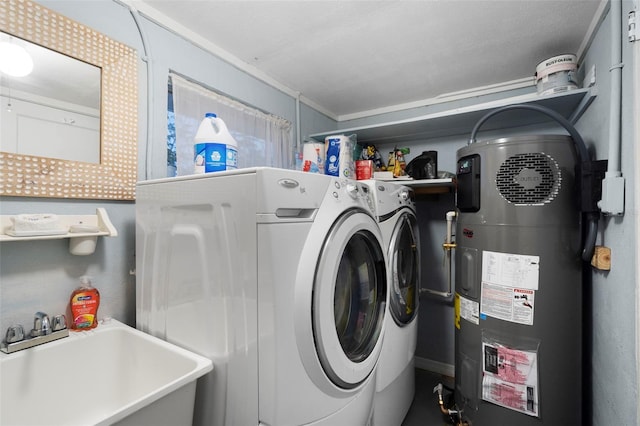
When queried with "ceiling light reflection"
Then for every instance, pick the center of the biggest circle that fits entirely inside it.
(14, 60)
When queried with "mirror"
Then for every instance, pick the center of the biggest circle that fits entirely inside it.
(57, 102)
(64, 147)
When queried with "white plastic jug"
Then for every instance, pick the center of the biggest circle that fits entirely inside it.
(214, 148)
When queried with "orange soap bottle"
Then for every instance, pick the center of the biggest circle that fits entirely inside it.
(85, 301)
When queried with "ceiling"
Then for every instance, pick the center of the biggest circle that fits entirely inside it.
(353, 58)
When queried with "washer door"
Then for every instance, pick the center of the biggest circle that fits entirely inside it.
(349, 299)
(405, 270)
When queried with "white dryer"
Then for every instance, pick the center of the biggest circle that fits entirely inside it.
(280, 278)
(395, 378)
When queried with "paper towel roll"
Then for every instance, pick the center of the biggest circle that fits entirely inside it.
(339, 161)
(313, 156)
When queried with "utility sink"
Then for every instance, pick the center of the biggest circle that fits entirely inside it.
(113, 374)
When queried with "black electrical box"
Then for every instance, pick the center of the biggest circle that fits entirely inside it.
(468, 177)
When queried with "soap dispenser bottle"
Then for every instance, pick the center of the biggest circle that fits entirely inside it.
(85, 301)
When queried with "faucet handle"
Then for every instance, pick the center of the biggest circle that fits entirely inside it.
(41, 325)
(59, 322)
(15, 333)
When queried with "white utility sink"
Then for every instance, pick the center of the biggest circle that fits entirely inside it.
(113, 374)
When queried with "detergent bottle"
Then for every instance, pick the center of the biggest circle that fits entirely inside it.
(215, 149)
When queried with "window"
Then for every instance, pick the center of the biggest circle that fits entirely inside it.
(263, 139)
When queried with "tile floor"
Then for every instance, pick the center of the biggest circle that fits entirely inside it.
(425, 410)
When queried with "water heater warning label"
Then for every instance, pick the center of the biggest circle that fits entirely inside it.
(466, 309)
(508, 304)
(508, 288)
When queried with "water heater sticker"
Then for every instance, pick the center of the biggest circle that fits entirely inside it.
(507, 303)
(508, 288)
(510, 378)
(510, 270)
(456, 309)
(467, 309)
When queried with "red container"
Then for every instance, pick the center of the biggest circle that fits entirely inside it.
(364, 169)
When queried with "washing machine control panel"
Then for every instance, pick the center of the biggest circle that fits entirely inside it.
(369, 197)
(355, 191)
(352, 190)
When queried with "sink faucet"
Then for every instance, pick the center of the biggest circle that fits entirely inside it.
(41, 325)
(44, 331)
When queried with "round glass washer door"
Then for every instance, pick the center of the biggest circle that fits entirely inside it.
(404, 264)
(349, 300)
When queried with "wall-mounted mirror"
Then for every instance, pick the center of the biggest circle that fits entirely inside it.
(68, 129)
(58, 101)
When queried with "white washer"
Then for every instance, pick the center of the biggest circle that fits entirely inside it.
(280, 278)
(395, 378)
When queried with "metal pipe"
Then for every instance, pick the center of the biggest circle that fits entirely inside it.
(447, 246)
(446, 411)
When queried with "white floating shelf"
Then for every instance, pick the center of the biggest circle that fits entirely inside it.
(429, 186)
(83, 225)
(420, 182)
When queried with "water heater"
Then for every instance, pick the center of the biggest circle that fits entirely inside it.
(518, 281)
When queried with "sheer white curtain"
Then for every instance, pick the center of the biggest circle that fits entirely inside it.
(263, 139)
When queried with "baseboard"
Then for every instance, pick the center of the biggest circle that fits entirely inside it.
(435, 366)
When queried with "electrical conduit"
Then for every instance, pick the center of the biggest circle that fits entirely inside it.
(612, 202)
(147, 60)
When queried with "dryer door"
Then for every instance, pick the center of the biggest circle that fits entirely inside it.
(405, 269)
(349, 299)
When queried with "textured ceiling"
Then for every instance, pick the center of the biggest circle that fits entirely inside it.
(350, 57)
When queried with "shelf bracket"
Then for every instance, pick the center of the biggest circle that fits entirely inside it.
(583, 105)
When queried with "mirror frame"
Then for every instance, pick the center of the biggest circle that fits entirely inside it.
(116, 175)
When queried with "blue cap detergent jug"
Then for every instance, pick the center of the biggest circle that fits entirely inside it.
(215, 149)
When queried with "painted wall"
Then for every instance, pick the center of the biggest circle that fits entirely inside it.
(41, 275)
